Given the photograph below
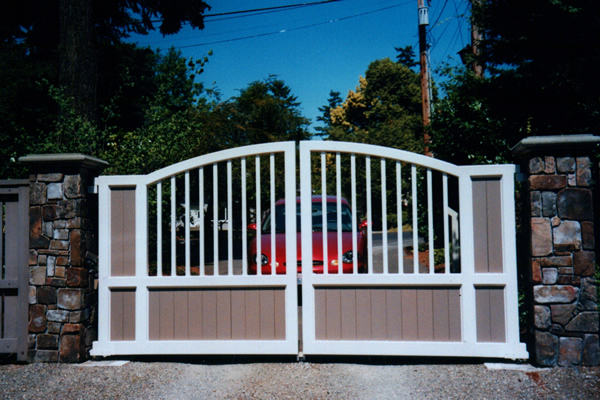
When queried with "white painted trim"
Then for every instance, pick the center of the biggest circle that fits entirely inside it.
(216, 347)
(467, 263)
(142, 283)
(141, 261)
(467, 280)
(380, 151)
(104, 212)
(402, 348)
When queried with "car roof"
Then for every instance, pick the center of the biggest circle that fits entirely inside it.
(317, 198)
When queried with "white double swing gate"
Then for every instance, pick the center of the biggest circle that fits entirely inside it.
(177, 252)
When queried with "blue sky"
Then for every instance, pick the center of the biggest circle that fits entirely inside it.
(314, 49)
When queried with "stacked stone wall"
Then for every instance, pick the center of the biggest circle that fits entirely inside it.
(63, 243)
(563, 262)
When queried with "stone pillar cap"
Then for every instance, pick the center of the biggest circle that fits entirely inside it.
(70, 159)
(582, 143)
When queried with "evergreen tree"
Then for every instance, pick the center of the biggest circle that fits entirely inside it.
(333, 102)
(540, 64)
(265, 111)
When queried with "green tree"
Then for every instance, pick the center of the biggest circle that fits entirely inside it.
(333, 102)
(170, 125)
(265, 111)
(176, 118)
(539, 64)
(465, 129)
(385, 109)
(75, 46)
(25, 106)
(536, 83)
(406, 56)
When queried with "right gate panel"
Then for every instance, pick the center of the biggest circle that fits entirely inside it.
(406, 255)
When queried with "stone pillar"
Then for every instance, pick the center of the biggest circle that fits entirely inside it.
(561, 173)
(63, 241)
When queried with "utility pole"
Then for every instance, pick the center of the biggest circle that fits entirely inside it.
(423, 23)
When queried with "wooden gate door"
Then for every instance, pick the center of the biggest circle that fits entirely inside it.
(446, 286)
(175, 260)
(14, 248)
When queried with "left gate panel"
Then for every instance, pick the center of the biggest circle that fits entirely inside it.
(176, 253)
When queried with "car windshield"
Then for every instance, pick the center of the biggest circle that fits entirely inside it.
(317, 218)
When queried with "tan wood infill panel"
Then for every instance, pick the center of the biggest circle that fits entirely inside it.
(14, 272)
(122, 231)
(9, 293)
(490, 314)
(393, 314)
(181, 326)
(217, 314)
(487, 225)
(122, 314)
(409, 314)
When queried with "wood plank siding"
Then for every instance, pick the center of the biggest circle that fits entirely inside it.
(122, 314)
(395, 314)
(15, 222)
(122, 231)
(217, 314)
(490, 315)
(487, 225)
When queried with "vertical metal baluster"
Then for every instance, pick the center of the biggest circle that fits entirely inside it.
(201, 236)
(399, 212)
(173, 228)
(354, 215)
(215, 219)
(369, 214)
(273, 213)
(445, 216)
(158, 229)
(187, 224)
(338, 187)
(415, 224)
(229, 220)
(258, 219)
(324, 213)
(244, 219)
(430, 220)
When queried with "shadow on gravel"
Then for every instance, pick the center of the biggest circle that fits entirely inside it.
(206, 359)
(9, 358)
(259, 359)
(404, 360)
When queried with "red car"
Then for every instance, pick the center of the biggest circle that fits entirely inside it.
(317, 236)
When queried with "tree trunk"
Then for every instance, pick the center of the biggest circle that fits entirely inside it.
(77, 53)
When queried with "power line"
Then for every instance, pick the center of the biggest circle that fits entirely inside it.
(438, 17)
(271, 8)
(460, 19)
(294, 29)
(255, 11)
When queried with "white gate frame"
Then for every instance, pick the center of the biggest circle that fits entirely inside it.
(125, 296)
(141, 283)
(468, 280)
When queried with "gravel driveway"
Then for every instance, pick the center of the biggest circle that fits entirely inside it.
(292, 380)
